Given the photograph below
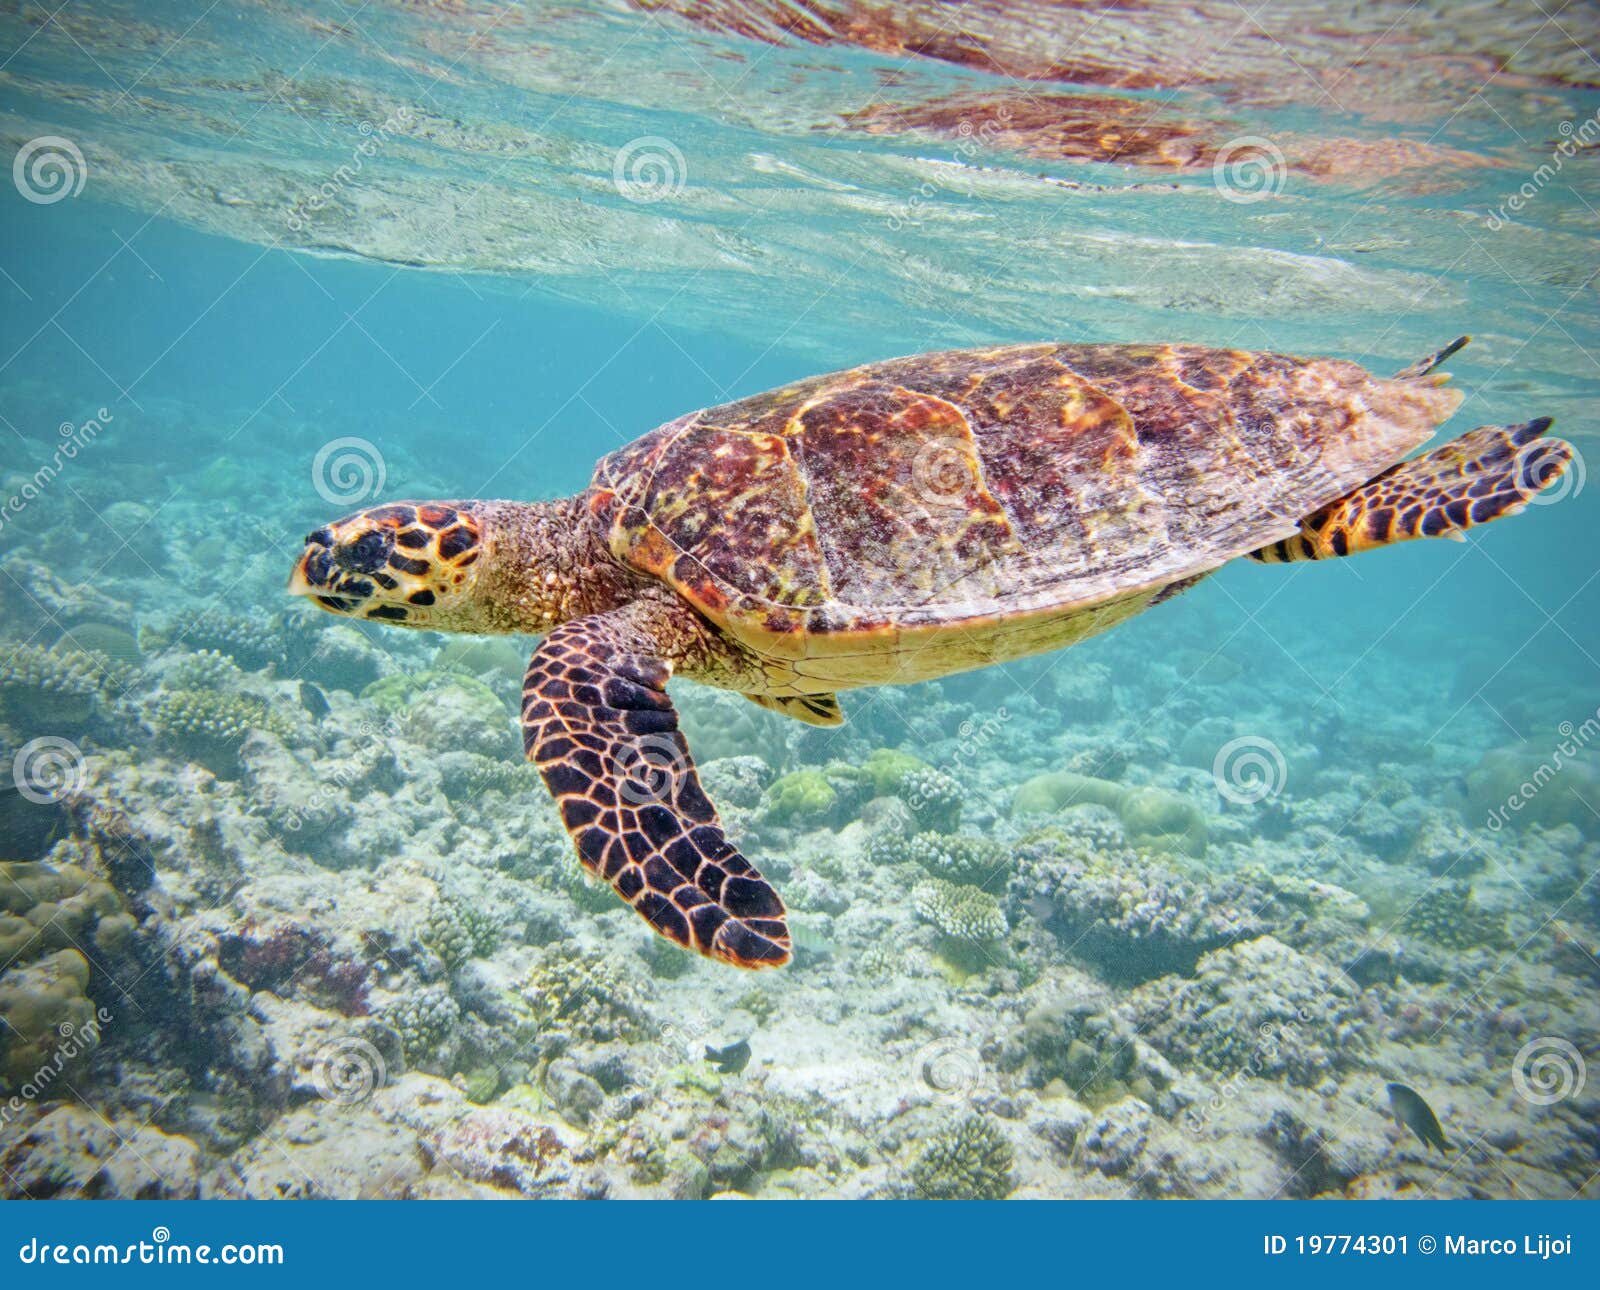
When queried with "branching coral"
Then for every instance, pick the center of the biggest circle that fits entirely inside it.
(48, 687)
(963, 913)
(1131, 915)
(1447, 915)
(933, 797)
(457, 931)
(584, 995)
(208, 725)
(971, 1160)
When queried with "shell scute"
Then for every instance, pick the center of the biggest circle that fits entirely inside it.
(983, 487)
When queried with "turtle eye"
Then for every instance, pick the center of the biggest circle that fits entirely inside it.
(366, 553)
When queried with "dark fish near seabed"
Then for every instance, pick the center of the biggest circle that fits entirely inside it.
(313, 700)
(730, 1060)
(1413, 1112)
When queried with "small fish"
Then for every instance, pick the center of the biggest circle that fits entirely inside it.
(1411, 1111)
(313, 700)
(730, 1060)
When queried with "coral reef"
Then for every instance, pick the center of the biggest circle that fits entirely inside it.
(1260, 1008)
(1131, 915)
(970, 1160)
(1152, 816)
(43, 689)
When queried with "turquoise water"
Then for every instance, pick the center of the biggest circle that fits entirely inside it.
(282, 913)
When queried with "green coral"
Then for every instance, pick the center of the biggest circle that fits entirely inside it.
(46, 1021)
(1447, 915)
(53, 920)
(207, 726)
(394, 694)
(1150, 816)
(963, 913)
(42, 687)
(106, 639)
(800, 795)
(888, 766)
(46, 907)
(971, 1160)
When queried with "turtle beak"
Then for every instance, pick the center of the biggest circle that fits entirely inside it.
(314, 570)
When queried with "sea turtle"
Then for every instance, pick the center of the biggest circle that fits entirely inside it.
(891, 523)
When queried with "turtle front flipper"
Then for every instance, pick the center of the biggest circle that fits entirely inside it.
(1486, 473)
(597, 722)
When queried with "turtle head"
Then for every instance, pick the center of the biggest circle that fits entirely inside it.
(411, 563)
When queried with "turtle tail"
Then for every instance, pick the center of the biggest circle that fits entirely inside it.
(1486, 473)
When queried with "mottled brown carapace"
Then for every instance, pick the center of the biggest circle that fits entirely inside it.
(895, 522)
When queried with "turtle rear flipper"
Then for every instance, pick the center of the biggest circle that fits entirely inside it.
(598, 723)
(1486, 473)
(813, 709)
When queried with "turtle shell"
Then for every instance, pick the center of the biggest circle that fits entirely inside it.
(978, 488)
